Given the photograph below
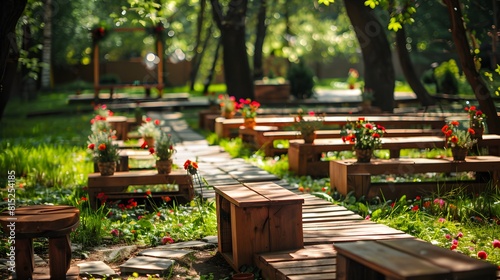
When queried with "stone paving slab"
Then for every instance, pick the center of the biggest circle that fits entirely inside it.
(96, 269)
(146, 265)
(165, 253)
(195, 244)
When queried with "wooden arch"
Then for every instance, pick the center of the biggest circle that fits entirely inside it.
(99, 33)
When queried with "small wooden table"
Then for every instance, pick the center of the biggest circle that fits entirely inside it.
(257, 217)
(406, 259)
(115, 185)
(54, 222)
(348, 175)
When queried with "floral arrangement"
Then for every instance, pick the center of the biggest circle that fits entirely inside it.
(227, 103)
(164, 147)
(475, 114)
(102, 148)
(150, 128)
(99, 122)
(248, 108)
(308, 125)
(352, 77)
(363, 134)
(457, 137)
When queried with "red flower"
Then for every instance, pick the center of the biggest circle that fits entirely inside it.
(151, 150)
(167, 239)
(157, 122)
(102, 147)
(166, 198)
(376, 135)
(91, 146)
(455, 123)
(479, 113)
(144, 145)
(148, 119)
(148, 192)
(471, 131)
(445, 128)
(414, 208)
(369, 126)
(496, 243)
(482, 255)
(454, 139)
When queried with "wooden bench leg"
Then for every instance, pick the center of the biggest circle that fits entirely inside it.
(59, 256)
(25, 263)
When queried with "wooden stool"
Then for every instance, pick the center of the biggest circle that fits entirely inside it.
(54, 222)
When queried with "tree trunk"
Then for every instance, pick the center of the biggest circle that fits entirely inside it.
(377, 59)
(411, 77)
(258, 71)
(478, 85)
(237, 73)
(47, 47)
(197, 57)
(10, 13)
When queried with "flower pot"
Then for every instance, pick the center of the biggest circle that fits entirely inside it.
(364, 155)
(249, 123)
(106, 168)
(164, 166)
(228, 115)
(150, 141)
(243, 276)
(459, 153)
(309, 138)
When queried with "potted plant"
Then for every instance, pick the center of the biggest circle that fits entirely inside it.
(308, 124)
(150, 130)
(366, 136)
(104, 152)
(248, 110)
(476, 121)
(227, 106)
(163, 152)
(352, 78)
(458, 139)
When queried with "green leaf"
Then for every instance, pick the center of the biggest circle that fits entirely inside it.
(326, 2)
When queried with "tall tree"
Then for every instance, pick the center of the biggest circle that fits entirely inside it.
(258, 70)
(478, 85)
(198, 52)
(10, 13)
(47, 46)
(377, 58)
(237, 74)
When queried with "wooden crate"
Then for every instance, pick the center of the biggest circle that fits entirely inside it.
(116, 184)
(348, 175)
(257, 217)
(406, 259)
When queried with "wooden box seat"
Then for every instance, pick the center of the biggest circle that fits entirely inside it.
(257, 217)
(114, 186)
(406, 259)
(224, 127)
(348, 175)
(53, 222)
(306, 159)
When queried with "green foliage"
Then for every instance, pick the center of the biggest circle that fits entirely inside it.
(447, 76)
(301, 79)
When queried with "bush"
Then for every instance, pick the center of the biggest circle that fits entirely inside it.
(447, 75)
(301, 80)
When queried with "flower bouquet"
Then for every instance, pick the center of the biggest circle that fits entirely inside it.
(163, 152)
(104, 152)
(307, 125)
(460, 140)
(150, 130)
(476, 121)
(227, 105)
(99, 123)
(365, 136)
(248, 110)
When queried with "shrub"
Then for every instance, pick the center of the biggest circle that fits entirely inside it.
(301, 80)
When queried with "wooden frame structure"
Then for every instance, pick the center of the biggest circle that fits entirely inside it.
(159, 50)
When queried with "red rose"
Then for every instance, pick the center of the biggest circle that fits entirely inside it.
(102, 147)
(91, 146)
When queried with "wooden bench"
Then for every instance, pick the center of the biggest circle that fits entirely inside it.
(225, 128)
(348, 175)
(52, 222)
(306, 159)
(112, 87)
(404, 259)
(257, 217)
(114, 186)
(264, 139)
